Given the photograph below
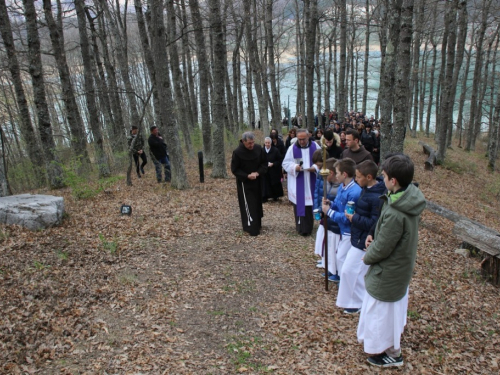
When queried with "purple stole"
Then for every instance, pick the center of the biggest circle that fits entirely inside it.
(301, 196)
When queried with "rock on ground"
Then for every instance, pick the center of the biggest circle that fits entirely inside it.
(31, 211)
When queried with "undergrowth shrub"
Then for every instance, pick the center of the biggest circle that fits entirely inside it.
(84, 186)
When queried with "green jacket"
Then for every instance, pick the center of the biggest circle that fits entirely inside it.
(392, 253)
(138, 145)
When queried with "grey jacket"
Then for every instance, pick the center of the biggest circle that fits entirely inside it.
(392, 253)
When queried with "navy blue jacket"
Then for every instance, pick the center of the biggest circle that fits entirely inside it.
(367, 213)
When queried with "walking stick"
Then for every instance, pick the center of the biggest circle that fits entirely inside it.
(324, 173)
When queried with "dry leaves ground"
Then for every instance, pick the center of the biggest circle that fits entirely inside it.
(177, 289)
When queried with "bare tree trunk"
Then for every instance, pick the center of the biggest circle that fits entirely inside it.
(423, 88)
(28, 135)
(117, 133)
(249, 84)
(204, 74)
(403, 68)
(447, 101)
(188, 68)
(493, 140)
(342, 109)
(461, 101)
(122, 57)
(367, 57)
(255, 67)
(387, 84)
(276, 112)
(416, 61)
(158, 46)
(485, 82)
(180, 101)
(462, 38)
(149, 60)
(4, 183)
(311, 20)
(78, 138)
(219, 111)
(431, 88)
(328, 73)
(52, 165)
(472, 131)
(94, 120)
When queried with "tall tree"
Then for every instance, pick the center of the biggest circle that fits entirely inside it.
(78, 138)
(342, 105)
(204, 79)
(387, 79)
(52, 165)
(472, 130)
(403, 69)
(33, 149)
(90, 96)
(180, 100)
(158, 46)
(219, 111)
(311, 20)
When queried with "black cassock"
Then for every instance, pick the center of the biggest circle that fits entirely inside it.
(244, 162)
(271, 181)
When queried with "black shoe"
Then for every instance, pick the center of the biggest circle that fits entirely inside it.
(383, 360)
(142, 170)
(159, 181)
(139, 175)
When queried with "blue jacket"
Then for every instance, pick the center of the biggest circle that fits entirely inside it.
(366, 214)
(330, 195)
(345, 194)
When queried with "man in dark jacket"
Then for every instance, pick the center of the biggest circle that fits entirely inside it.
(354, 150)
(159, 154)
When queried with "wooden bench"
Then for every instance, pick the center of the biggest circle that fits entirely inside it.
(477, 236)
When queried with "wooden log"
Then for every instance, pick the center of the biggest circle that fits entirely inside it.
(431, 160)
(476, 236)
(485, 239)
(444, 212)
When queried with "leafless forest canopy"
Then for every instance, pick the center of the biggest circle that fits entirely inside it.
(76, 75)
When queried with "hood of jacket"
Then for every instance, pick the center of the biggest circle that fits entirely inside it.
(410, 202)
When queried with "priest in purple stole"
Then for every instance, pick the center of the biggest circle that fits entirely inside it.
(298, 164)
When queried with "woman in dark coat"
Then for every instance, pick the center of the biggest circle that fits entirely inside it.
(271, 181)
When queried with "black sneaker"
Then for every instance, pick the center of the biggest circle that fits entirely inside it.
(351, 311)
(383, 360)
(142, 170)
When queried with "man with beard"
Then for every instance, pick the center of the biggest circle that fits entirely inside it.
(248, 164)
(354, 150)
(298, 164)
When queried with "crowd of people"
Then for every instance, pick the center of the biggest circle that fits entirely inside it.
(371, 246)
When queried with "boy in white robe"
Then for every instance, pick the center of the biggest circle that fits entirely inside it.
(391, 255)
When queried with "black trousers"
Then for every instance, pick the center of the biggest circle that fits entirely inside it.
(144, 161)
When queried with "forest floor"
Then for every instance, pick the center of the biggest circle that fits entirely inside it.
(176, 288)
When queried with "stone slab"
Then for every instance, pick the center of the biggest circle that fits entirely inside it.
(32, 211)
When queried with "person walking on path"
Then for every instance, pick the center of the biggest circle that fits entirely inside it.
(301, 182)
(249, 164)
(137, 150)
